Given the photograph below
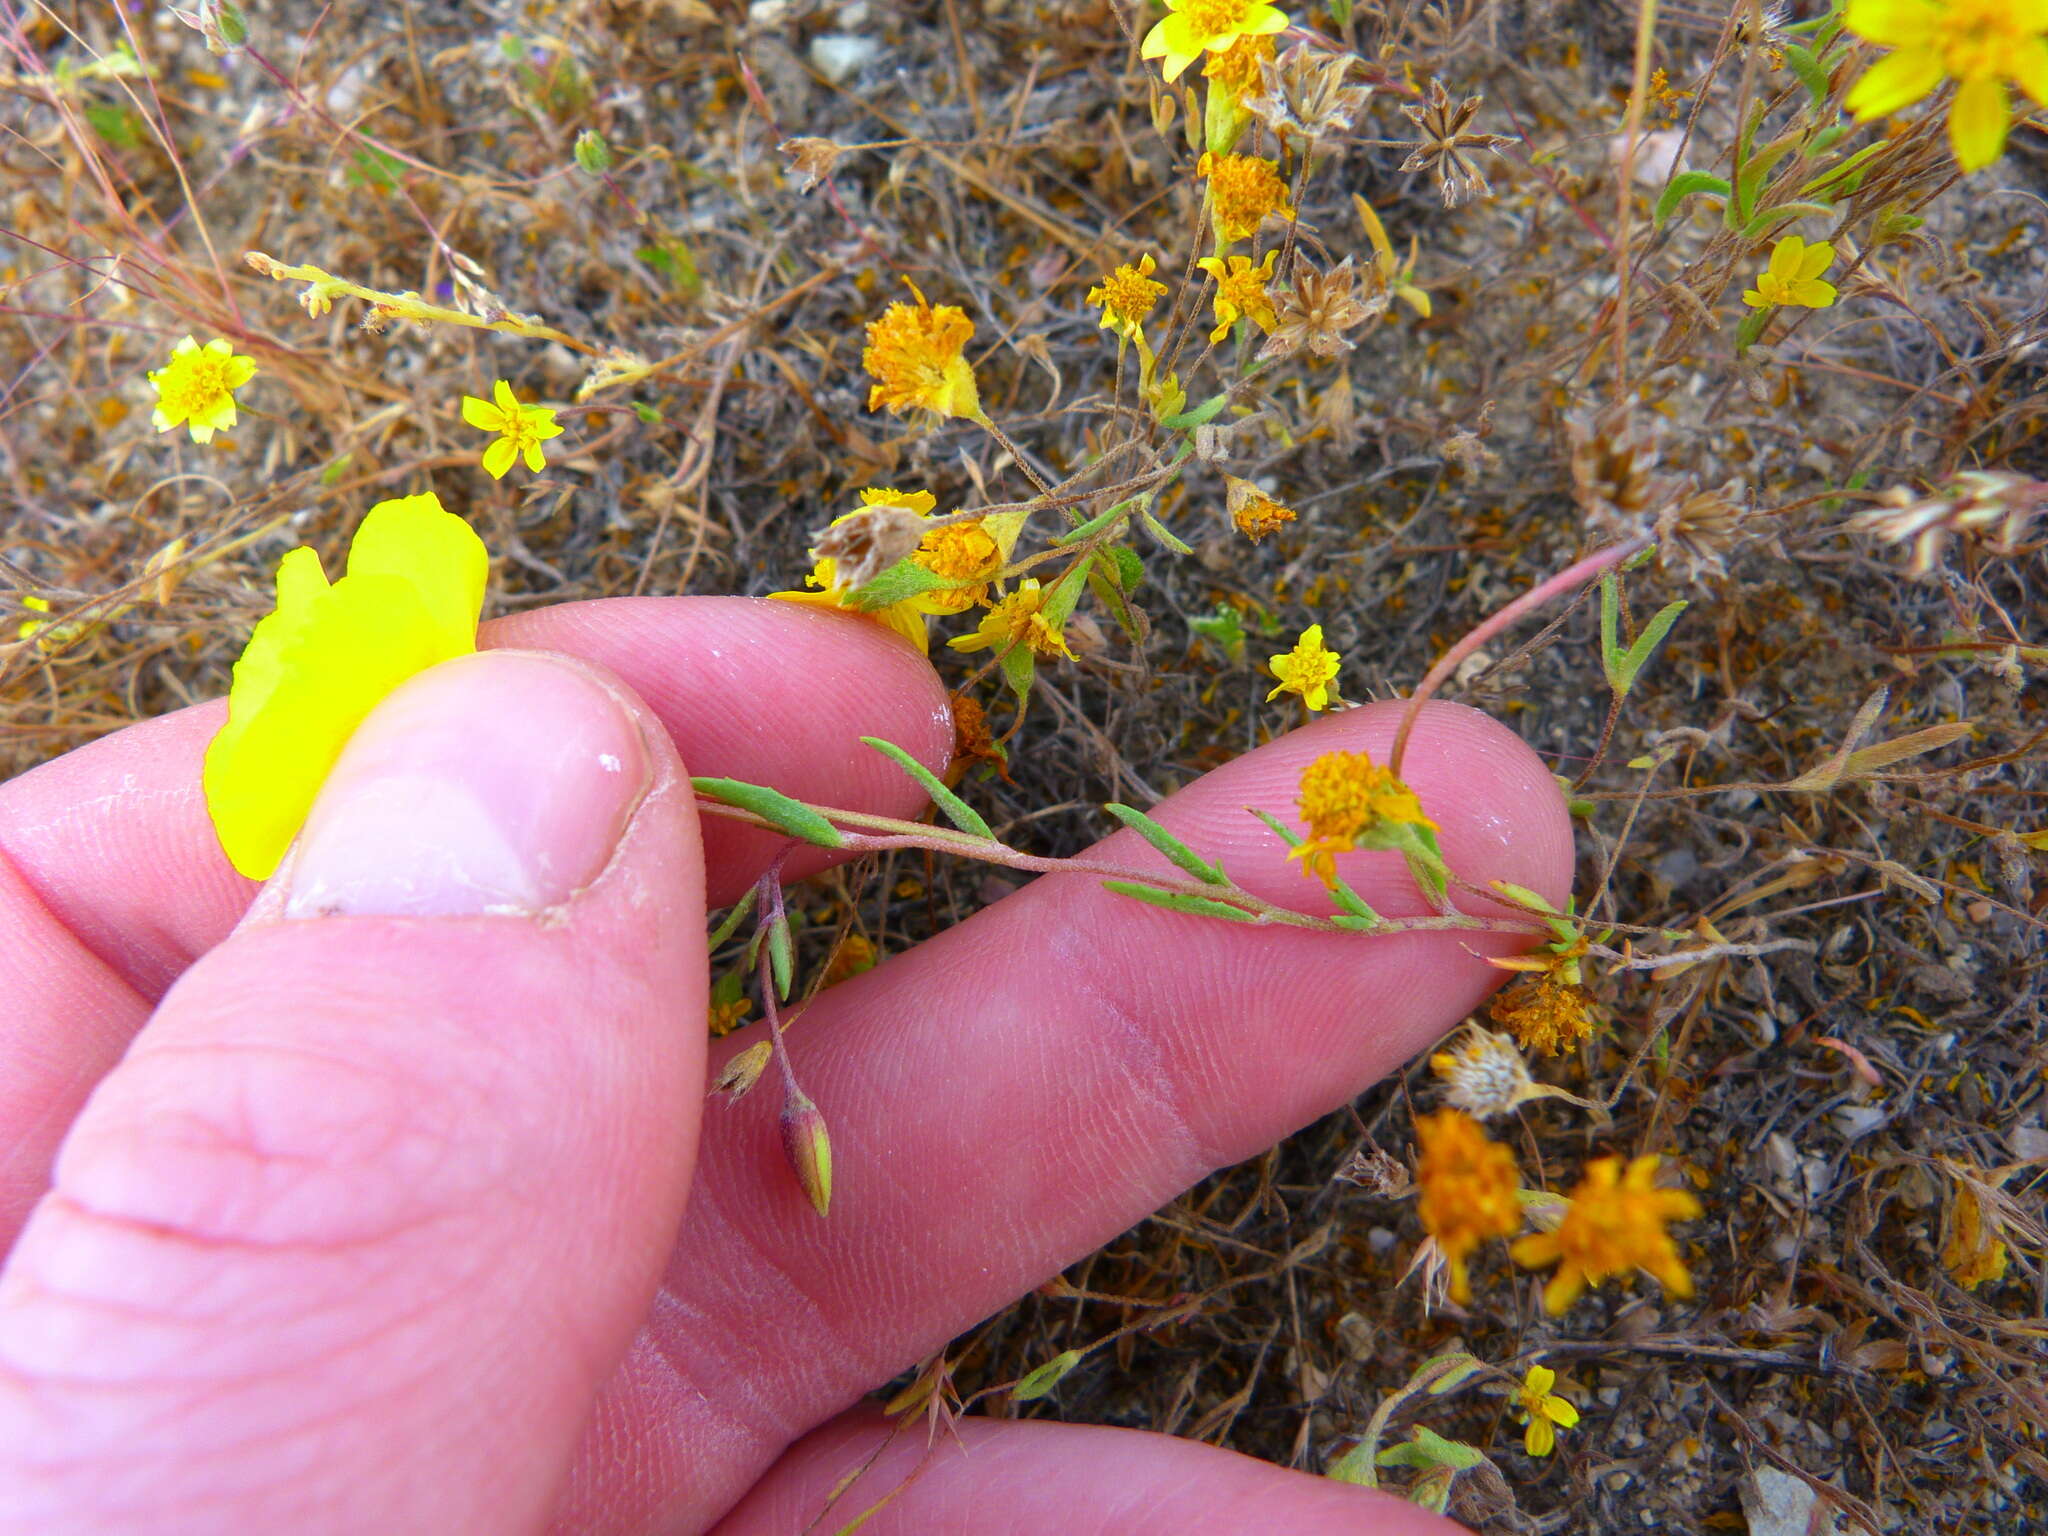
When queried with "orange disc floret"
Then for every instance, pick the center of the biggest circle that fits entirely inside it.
(1243, 191)
(1345, 796)
(1613, 1226)
(915, 355)
(1545, 1012)
(959, 552)
(1466, 1187)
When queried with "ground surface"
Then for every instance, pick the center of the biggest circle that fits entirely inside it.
(1861, 1110)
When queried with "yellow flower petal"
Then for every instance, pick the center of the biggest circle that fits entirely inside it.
(1558, 1411)
(1786, 256)
(1815, 260)
(1977, 122)
(502, 393)
(2030, 68)
(481, 414)
(499, 457)
(1813, 293)
(1540, 1380)
(1892, 23)
(1541, 1438)
(1894, 82)
(316, 673)
(416, 540)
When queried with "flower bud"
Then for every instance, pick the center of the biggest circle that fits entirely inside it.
(808, 1148)
(593, 155)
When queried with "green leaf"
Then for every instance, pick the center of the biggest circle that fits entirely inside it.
(957, 811)
(1034, 1384)
(1812, 74)
(647, 413)
(1353, 903)
(1623, 666)
(1686, 184)
(1020, 666)
(1427, 1448)
(778, 810)
(371, 167)
(1060, 601)
(1751, 328)
(1094, 525)
(1177, 901)
(1200, 416)
(734, 918)
(1130, 570)
(116, 124)
(1280, 828)
(1159, 531)
(898, 584)
(1224, 629)
(781, 955)
(1176, 850)
(1445, 1373)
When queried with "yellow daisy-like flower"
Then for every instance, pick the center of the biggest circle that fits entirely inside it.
(1243, 191)
(915, 355)
(1018, 619)
(1542, 1410)
(828, 591)
(1308, 670)
(1793, 276)
(326, 656)
(1466, 1190)
(521, 429)
(1979, 44)
(1241, 291)
(1613, 1226)
(1127, 296)
(1346, 797)
(196, 388)
(1545, 1012)
(963, 552)
(1194, 27)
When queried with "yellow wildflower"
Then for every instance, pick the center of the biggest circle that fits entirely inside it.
(1307, 670)
(829, 591)
(1127, 296)
(914, 354)
(521, 429)
(27, 627)
(1237, 68)
(1346, 797)
(327, 655)
(1613, 1225)
(196, 388)
(965, 552)
(1194, 27)
(1980, 44)
(1546, 1012)
(1793, 276)
(1466, 1187)
(1241, 291)
(1018, 619)
(1542, 1410)
(1254, 512)
(1243, 191)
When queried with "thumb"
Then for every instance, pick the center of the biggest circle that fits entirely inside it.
(350, 1238)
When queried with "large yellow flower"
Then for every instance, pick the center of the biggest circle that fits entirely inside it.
(196, 388)
(1980, 44)
(1612, 1226)
(324, 658)
(1793, 276)
(915, 355)
(1192, 28)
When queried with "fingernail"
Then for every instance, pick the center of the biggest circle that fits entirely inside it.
(500, 782)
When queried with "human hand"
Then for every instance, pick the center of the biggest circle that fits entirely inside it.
(375, 1216)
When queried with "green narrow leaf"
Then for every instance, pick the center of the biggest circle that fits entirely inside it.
(1686, 184)
(1782, 213)
(901, 582)
(781, 956)
(1353, 903)
(957, 811)
(1060, 601)
(1094, 525)
(1158, 531)
(1652, 636)
(1176, 850)
(778, 810)
(1177, 901)
(1611, 653)
(1037, 1382)
(1808, 68)
(734, 918)
(1200, 416)
(1752, 327)
(1280, 830)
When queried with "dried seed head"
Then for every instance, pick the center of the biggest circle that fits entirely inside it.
(1446, 146)
(1993, 508)
(1484, 1074)
(812, 159)
(1308, 94)
(1613, 464)
(1317, 308)
(870, 541)
(1699, 531)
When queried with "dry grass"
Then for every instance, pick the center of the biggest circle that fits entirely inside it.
(1828, 1100)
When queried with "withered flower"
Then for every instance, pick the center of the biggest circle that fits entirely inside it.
(1700, 530)
(1317, 308)
(812, 159)
(868, 542)
(1446, 147)
(1308, 94)
(1614, 478)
